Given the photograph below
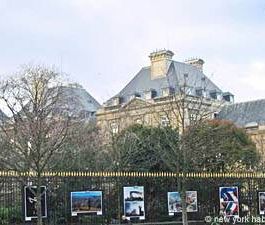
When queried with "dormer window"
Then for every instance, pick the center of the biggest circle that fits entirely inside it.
(116, 101)
(215, 95)
(200, 92)
(150, 94)
(167, 91)
(227, 96)
(135, 95)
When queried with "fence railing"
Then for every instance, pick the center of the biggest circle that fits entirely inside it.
(59, 186)
(135, 174)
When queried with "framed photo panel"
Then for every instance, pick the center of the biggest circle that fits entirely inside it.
(134, 202)
(175, 205)
(229, 201)
(261, 199)
(30, 201)
(86, 202)
(191, 201)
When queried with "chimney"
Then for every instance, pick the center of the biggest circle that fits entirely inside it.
(160, 61)
(198, 63)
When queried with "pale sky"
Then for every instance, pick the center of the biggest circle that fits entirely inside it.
(102, 44)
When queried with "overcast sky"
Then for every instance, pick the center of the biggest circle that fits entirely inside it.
(102, 44)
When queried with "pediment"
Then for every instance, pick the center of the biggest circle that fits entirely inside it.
(136, 103)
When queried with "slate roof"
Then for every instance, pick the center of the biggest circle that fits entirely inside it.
(79, 101)
(142, 82)
(85, 100)
(245, 113)
(76, 101)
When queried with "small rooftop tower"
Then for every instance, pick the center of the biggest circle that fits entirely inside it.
(196, 62)
(160, 61)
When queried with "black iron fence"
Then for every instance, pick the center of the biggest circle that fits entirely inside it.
(156, 187)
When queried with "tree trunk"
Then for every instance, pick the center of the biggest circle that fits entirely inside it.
(119, 202)
(183, 204)
(38, 195)
(183, 180)
(182, 192)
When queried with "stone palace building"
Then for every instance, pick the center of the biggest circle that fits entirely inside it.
(166, 92)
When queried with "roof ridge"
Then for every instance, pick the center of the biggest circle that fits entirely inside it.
(250, 101)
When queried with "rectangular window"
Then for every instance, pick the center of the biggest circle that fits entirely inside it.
(199, 92)
(194, 115)
(164, 121)
(114, 128)
(213, 95)
(193, 118)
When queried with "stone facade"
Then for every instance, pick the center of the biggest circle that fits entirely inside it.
(257, 134)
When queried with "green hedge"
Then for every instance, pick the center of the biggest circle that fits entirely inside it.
(10, 215)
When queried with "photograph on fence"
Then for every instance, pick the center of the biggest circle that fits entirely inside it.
(30, 201)
(174, 202)
(86, 202)
(191, 201)
(229, 201)
(261, 200)
(134, 202)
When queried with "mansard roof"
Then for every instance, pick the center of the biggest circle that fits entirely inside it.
(77, 103)
(177, 74)
(81, 99)
(245, 113)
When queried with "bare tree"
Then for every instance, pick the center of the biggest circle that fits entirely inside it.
(183, 109)
(186, 109)
(83, 149)
(37, 125)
